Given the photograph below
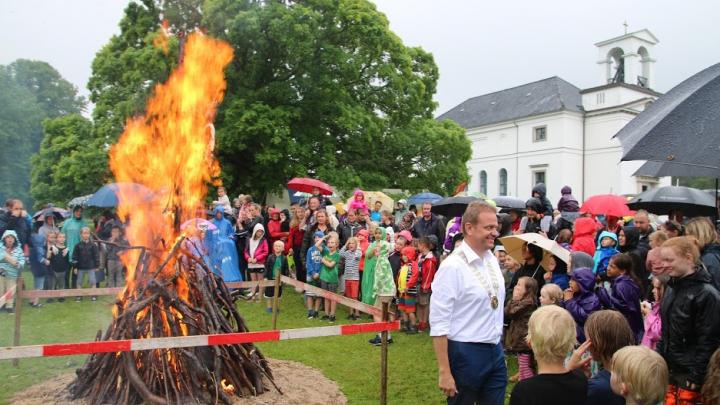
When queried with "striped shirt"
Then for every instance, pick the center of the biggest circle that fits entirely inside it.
(352, 263)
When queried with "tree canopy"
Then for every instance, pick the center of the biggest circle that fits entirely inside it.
(30, 91)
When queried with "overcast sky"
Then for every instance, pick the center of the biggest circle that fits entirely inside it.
(479, 46)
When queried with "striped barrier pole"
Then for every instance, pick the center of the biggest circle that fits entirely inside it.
(348, 302)
(71, 349)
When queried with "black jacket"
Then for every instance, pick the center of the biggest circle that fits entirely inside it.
(547, 205)
(270, 262)
(346, 230)
(86, 256)
(17, 224)
(711, 259)
(309, 238)
(433, 227)
(690, 325)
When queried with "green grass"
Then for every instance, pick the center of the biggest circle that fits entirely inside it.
(348, 360)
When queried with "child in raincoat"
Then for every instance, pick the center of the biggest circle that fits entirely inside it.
(606, 249)
(12, 261)
(383, 287)
(371, 258)
(358, 202)
(408, 289)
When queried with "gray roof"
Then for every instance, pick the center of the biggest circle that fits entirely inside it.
(541, 97)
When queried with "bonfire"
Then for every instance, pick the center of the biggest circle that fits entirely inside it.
(170, 291)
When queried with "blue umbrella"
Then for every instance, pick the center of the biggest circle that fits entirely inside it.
(106, 196)
(423, 198)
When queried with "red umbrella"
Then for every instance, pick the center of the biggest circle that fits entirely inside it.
(306, 185)
(606, 204)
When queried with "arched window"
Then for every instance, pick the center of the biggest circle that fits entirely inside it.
(483, 182)
(503, 182)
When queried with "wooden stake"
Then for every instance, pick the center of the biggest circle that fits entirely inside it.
(384, 356)
(276, 301)
(18, 314)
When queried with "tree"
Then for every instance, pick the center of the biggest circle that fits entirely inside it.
(71, 161)
(30, 92)
(325, 88)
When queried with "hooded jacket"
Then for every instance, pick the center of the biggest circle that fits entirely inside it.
(260, 253)
(517, 314)
(275, 228)
(409, 272)
(690, 325)
(603, 254)
(383, 281)
(584, 235)
(368, 277)
(224, 227)
(638, 254)
(583, 303)
(546, 204)
(6, 268)
(86, 256)
(624, 296)
(567, 202)
(428, 268)
(359, 204)
(710, 257)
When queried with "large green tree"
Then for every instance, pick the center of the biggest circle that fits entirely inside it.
(30, 91)
(323, 87)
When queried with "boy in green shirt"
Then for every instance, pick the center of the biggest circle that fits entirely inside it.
(329, 276)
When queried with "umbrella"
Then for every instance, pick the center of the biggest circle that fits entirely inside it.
(198, 223)
(371, 196)
(59, 214)
(307, 185)
(452, 206)
(107, 195)
(682, 126)
(514, 244)
(509, 203)
(423, 198)
(663, 169)
(79, 201)
(692, 202)
(606, 204)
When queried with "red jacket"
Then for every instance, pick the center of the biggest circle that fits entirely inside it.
(428, 268)
(261, 253)
(275, 232)
(584, 235)
(295, 239)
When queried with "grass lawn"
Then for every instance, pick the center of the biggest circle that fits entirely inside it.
(349, 360)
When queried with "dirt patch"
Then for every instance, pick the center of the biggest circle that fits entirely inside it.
(300, 384)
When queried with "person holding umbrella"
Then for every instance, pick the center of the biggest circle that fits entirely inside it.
(532, 256)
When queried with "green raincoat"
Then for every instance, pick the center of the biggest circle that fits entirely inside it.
(368, 277)
(71, 228)
(384, 281)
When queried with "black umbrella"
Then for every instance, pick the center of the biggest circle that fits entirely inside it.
(59, 214)
(507, 203)
(682, 126)
(452, 206)
(692, 202)
(663, 169)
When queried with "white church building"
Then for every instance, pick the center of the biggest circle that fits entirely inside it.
(551, 131)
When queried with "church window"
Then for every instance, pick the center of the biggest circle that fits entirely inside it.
(539, 177)
(503, 182)
(483, 182)
(540, 134)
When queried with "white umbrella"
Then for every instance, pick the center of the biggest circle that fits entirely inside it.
(514, 246)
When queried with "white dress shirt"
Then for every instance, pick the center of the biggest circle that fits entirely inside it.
(460, 306)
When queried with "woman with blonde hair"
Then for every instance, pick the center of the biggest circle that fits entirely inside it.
(703, 230)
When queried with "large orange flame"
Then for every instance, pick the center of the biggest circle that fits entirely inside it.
(169, 150)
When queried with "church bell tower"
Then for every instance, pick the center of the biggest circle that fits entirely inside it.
(627, 59)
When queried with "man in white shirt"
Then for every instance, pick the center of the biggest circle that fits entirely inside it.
(466, 314)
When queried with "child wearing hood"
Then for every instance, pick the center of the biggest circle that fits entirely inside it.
(12, 261)
(383, 285)
(580, 299)
(540, 192)
(408, 289)
(624, 293)
(358, 202)
(372, 255)
(567, 202)
(256, 252)
(584, 235)
(607, 248)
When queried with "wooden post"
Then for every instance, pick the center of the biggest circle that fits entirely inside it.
(18, 314)
(384, 356)
(276, 301)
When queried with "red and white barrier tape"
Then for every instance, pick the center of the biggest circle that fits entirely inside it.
(69, 349)
(9, 294)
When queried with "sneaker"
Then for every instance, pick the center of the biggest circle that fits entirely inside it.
(325, 318)
(331, 318)
(10, 310)
(376, 341)
(49, 300)
(93, 299)
(61, 299)
(311, 315)
(38, 305)
(412, 330)
(78, 299)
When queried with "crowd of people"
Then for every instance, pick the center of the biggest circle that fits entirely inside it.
(631, 317)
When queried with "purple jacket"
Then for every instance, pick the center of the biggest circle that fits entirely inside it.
(584, 303)
(567, 202)
(624, 296)
(454, 229)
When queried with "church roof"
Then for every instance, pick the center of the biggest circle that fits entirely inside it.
(541, 97)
